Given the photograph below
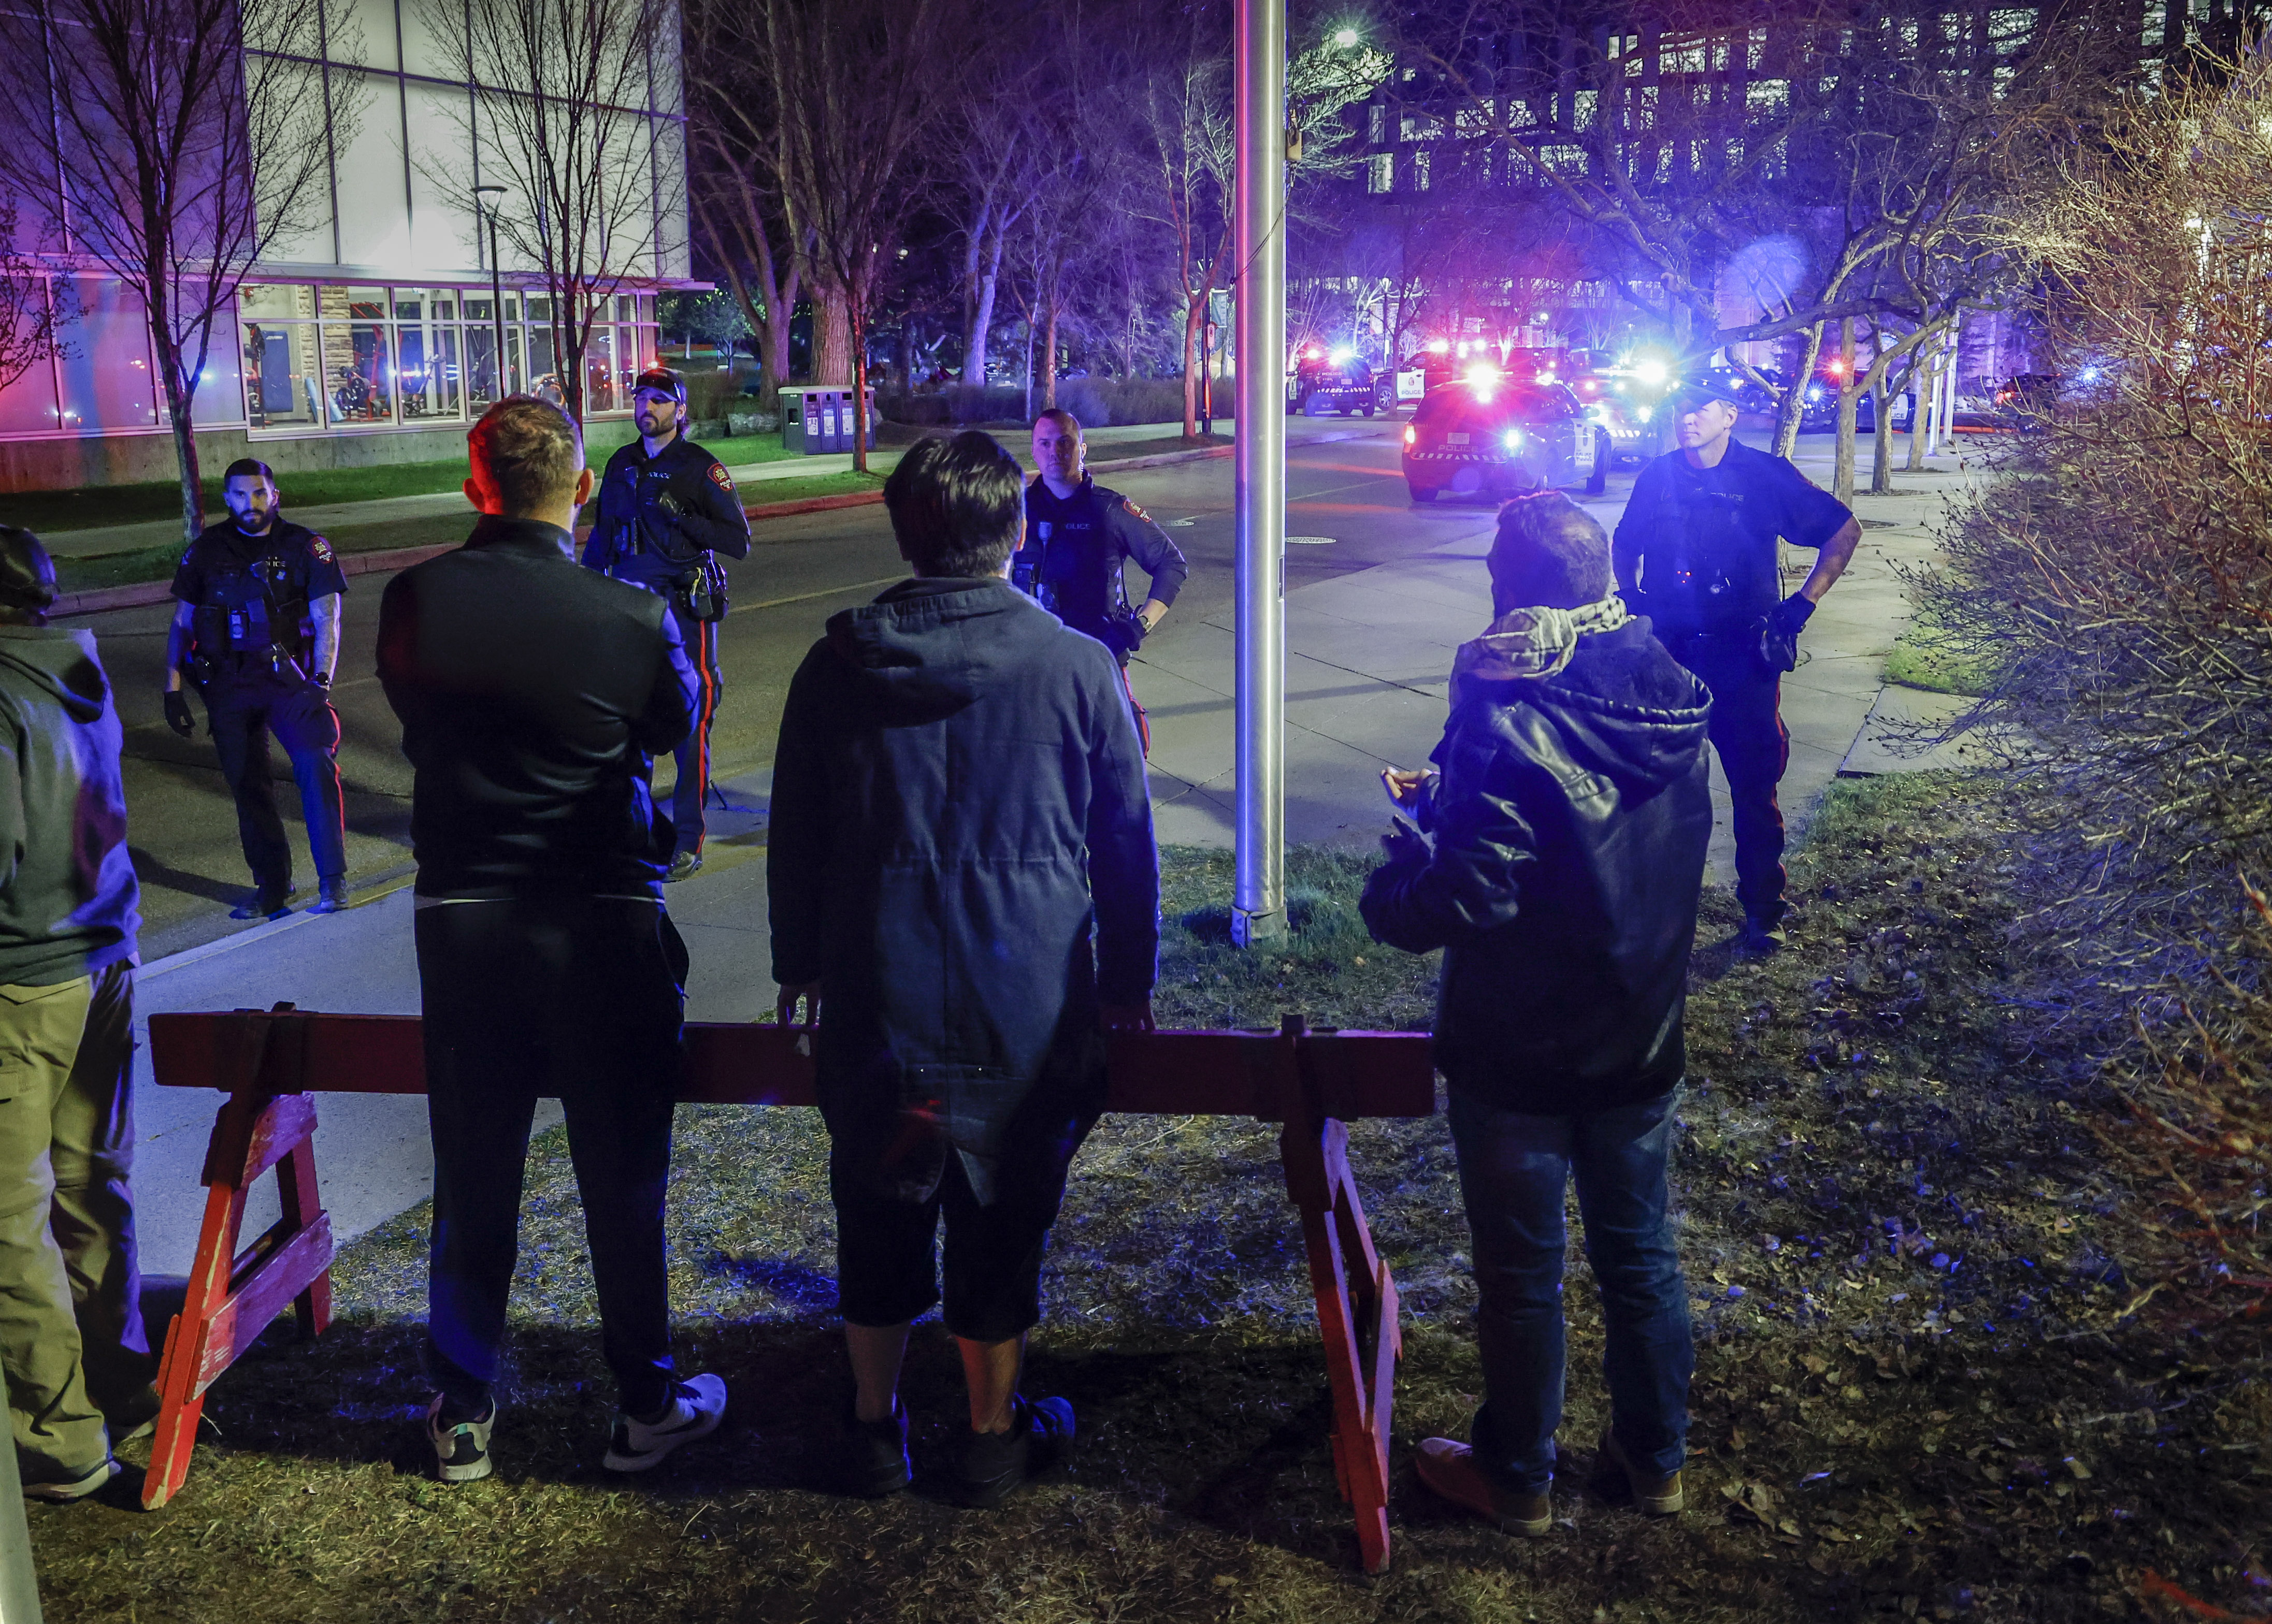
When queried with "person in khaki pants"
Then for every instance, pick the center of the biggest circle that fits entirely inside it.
(71, 1341)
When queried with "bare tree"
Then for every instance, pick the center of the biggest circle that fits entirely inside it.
(574, 112)
(173, 142)
(731, 113)
(856, 88)
(32, 307)
(1183, 106)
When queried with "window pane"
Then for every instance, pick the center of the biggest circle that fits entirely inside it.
(281, 371)
(278, 299)
(358, 373)
(28, 405)
(481, 367)
(410, 304)
(364, 303)
(429, 355)
(600, 371)
(544, 375)
(107, 378)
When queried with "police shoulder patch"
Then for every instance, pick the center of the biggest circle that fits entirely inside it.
(319, 549)
(1129, 505)
(718, 477)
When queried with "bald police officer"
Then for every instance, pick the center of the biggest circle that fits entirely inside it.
(1695, 552)
(257, 632)
(668, 507)
(1077, 535)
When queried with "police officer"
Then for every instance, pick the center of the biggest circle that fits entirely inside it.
(257, 632)
(1695, 552)
(1077, 534)
(667, 508)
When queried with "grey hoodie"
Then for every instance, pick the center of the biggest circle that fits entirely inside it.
(68, 896)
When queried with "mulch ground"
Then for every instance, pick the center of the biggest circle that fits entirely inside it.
(1918, 1393)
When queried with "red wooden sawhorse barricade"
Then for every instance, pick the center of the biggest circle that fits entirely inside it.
(273, 1063)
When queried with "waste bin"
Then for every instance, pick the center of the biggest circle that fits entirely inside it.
(816, 421)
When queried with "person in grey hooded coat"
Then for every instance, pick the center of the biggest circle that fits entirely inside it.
(965, 898)
(72, 1344)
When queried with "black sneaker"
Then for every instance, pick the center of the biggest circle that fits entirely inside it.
(264, 905)
(875, 1453)
(462, 1448)
(696, 1407)
(995, 1466)
(70, 1491)
(685, 866)
(1760, 939)
(332, 896)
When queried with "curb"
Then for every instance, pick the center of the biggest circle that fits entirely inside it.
(142, 594)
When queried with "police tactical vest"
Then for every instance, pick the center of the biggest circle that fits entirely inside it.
(254, 607)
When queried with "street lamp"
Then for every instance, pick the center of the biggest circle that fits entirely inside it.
(491, 200)
(1346, 38)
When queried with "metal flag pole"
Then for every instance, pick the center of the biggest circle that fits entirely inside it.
(1257, 57)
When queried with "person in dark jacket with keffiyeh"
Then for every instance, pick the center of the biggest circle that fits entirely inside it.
(1557, 860)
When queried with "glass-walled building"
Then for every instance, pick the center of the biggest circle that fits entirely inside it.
(375, 333)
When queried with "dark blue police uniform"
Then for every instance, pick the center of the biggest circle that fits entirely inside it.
(251, 656)
(663, 520)
(1700, 546)
(1070, 561)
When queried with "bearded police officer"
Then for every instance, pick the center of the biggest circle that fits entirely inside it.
(257, 632)
(1077, 535)
(1696, 551)
(667, 508)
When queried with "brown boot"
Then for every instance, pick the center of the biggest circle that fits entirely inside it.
(1654, 1495)
(1450, 1469)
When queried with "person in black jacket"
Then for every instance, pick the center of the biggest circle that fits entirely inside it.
(668, 509)
(1558, 863)
(257, 631)
(533, 697)
(961, 858)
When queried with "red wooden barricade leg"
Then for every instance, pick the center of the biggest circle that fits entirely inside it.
(233, 1297)
(1357, 1307)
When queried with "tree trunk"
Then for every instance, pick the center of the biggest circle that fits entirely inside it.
(179, 401)
(1029, 408)
(1050, 345)
(831, 337)
(858, 321)
(1924, 385)
(1881, 465)
(1843, 459)
(976, 342)
(1794, 400)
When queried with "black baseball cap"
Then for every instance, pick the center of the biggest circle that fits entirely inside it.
(1696, 391)
(663, 381)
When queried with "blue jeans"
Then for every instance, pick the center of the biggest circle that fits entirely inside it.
(1513, 1170)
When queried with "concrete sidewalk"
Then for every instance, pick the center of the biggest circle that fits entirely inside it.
(104, 540)
(1369, 655)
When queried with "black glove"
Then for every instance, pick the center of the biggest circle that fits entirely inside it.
(1124, 634)
(1779, 642)
(177, 712)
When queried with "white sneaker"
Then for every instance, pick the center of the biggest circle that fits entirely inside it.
(697, 1405)
(77, 1488)
(462, 1448)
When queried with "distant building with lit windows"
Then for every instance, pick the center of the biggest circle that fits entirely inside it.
(371, 337)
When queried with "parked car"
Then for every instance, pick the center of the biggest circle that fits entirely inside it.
(1496, 439)
(1339, 382)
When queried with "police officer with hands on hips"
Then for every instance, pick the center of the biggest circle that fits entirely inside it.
(257, 632)
(1077, 534)
(1696, 551)
(667, 508)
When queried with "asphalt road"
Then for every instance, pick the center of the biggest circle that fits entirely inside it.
(800, 571)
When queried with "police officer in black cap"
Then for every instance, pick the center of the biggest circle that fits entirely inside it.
(1696, 551)
(667, 508)
(257, 632)
(1078, 534)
